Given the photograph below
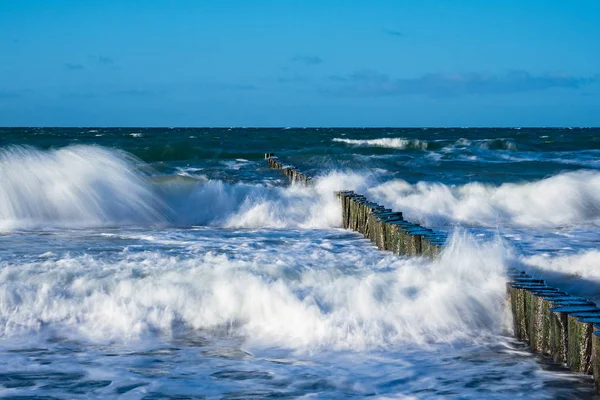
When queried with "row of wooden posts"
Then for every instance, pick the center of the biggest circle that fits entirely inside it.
(291, 172)
(554, 323)
(387, 229)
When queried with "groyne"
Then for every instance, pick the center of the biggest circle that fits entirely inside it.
(385, 228)
(295, 175)
(554, 323)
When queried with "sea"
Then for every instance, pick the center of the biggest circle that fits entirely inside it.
(172, 263)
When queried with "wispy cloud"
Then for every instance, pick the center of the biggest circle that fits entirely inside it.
(308, 60)
(87, 95)
(393, 32)
(371, 83)
(133, 93)
(101, 60)
(74, 66)
(81, 95)
(231, 86)
(104, 60)
(293, 79)
(92, 61)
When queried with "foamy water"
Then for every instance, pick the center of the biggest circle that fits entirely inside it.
(393, 143)
(281, 312)
(81, 186)
(561, 200)
(309, 297)
(213, 277)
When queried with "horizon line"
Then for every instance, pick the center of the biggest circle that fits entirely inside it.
(290, 127)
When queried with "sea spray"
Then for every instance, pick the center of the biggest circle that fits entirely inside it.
(88, 186)
(75, 186)
(303, 297)
(91, 186)
(392, 143)
(235, 292)
(565, 199)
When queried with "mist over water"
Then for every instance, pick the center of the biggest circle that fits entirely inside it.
(80, 186)
(139, 258)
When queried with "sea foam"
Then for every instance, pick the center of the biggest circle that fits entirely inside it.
(74, 186)
(89, 186)
(301, 296)
(392, 143)
(565, 199)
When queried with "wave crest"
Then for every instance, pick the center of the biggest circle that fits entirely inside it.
(391, 143)
(74, 186)
(298, 296)
(566, 199)
(89, 186)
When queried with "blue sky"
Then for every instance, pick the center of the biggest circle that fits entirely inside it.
(300, 63)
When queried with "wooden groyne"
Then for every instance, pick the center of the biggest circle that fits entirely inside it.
(291, 172)
(385, 228)
(554, 323)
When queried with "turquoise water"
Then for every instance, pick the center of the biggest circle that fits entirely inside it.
(171, 263)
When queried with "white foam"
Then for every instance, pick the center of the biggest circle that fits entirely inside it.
(300, 296)
(257, 206)
(579, 265)
(73, 186)
(87, 186)
(565, 199)
(392, 143)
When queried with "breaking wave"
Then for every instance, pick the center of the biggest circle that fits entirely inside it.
(89, 186)
(486, 144)
(460, 144)
(578, 265)
(392, 143)
(565, 199)
(74, 186)
(301, 296)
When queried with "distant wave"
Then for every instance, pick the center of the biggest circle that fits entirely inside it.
(392, 143)
(486, 144)
(506, 144)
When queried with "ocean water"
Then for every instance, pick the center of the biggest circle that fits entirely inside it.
(172, 263)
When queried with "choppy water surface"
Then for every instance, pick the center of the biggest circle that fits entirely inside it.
(157, 263)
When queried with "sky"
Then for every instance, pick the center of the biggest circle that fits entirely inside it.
(300, 63)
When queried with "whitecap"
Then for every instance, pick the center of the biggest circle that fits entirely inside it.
(392, 143)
